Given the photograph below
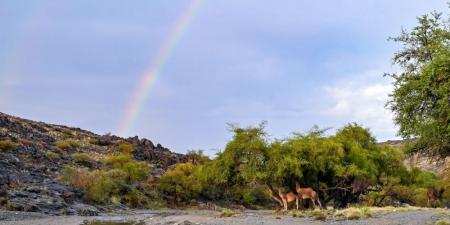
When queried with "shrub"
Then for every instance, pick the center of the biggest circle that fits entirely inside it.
(126, 148)
(7, 145)
(134, 198)
(51, 155)
(106, 185)
(67, 144)
(81, 157)
(77, 177)
(134, 170)
(112, 184)
(179, 184)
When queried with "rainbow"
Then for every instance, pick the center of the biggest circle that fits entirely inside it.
(151, 74)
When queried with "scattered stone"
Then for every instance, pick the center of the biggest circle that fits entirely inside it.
(85, 210)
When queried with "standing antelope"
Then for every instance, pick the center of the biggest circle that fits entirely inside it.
(287, 198)
(307, 193)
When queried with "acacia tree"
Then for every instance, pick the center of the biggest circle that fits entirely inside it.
(421, 96)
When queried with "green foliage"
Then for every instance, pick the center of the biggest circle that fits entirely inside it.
(179, 184)
(67, 144)
(126, 148)
(7, 146)
(197, 157)
(81, 157)
(115, 183)
(250, 161)
(133, 170)
(421, 94)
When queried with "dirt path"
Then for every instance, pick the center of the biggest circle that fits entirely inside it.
(167, 217)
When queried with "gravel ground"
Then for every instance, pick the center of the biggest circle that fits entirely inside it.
(167, 217)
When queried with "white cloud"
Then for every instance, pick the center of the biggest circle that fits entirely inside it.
(362, 102)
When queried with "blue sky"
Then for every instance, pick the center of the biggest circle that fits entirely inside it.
(293, 63)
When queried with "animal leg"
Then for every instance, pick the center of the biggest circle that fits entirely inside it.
(313, 202)
(320, 204)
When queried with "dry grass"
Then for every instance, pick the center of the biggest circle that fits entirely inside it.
(7, 146)
(354, 213)
(67, 144)
(442, 222)
(78, 177)
(228, 213)
(52, 156)
(351, 213)
(319, 214)
(81, 157)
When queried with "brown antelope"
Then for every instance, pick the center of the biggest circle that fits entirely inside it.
(287, 198)
(433, 195)
(307, 193)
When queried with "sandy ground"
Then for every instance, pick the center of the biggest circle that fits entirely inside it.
(261, 217)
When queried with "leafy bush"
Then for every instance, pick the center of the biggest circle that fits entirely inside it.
(179, 184)
(7, 146)
(134, 170)
(115, 183)
(67, 144)
(197, 157)
(126, 148)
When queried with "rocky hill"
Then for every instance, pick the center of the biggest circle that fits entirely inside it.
(33, 155)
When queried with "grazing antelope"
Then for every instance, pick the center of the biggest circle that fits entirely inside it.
(307, 193)
(433, 195)
(287, 198)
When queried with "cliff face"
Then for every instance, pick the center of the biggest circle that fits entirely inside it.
(33, 155)
(419, 160)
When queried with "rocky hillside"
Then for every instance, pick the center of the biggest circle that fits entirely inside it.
(33, 156)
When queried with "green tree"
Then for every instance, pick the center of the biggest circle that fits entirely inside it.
(421, 96)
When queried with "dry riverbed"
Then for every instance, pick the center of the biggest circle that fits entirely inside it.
(249, 217)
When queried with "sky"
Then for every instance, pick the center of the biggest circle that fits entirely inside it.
(292, 63)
